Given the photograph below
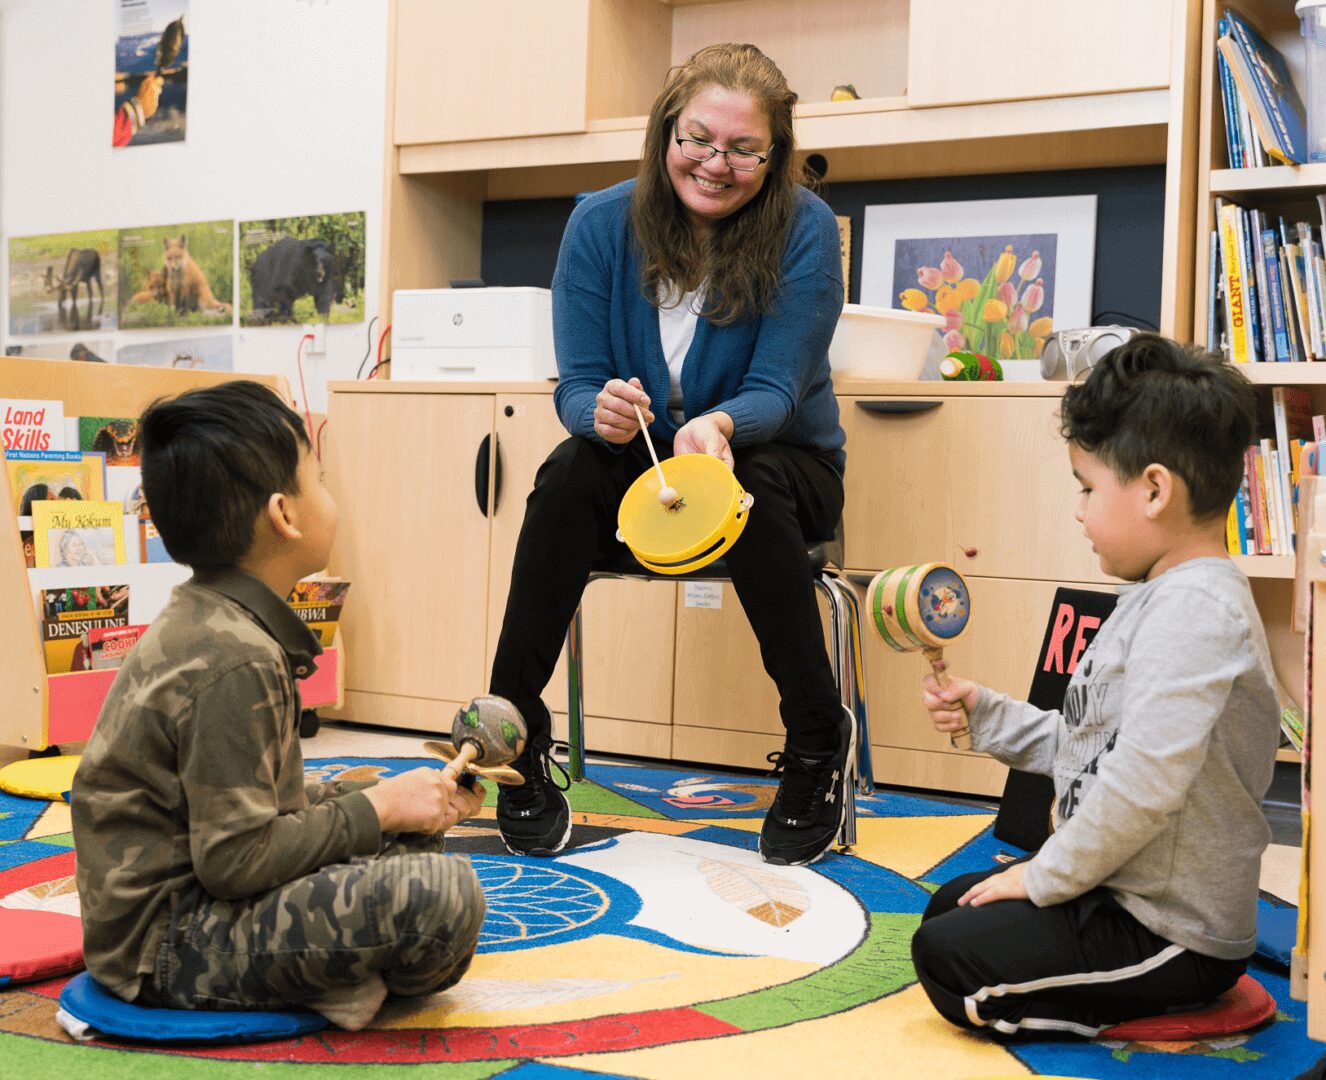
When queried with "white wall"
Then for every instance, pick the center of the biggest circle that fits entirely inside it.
(286, 110)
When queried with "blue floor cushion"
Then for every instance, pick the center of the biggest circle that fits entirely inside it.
(90, 1005)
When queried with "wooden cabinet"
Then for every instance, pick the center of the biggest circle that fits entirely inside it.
(982, 482)
(1045, 50)
(431, 480)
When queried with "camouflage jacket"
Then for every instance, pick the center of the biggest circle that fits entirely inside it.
(194, 774)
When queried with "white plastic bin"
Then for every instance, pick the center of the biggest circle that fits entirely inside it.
(881, 343)
(1312, 15)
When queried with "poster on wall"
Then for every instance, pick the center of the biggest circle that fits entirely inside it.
(212, 353)
(1004, 273)
(59, 282)
(302, 270)
(177, 275)
(151, 72)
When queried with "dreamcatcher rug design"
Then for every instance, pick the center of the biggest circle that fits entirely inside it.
(658, 946)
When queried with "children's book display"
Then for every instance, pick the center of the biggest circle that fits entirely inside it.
(1265, 516)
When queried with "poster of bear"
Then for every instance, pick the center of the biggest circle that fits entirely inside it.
(151, 72)
(177, 275)
(302, 270)
(59, 282)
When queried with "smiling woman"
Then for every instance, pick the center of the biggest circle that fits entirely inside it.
(712, 285)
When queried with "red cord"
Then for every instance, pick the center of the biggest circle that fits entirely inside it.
(299, 363)
(381, 338)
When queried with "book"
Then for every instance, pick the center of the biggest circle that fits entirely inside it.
(31, 425)
(117, 437)
(1228, 102)
(1251, 289)
(1235, 319)
(78, 533)
(1273, 102)
(54, 474)
(151, 548)
(1257, 507)
(1291, 407)
(111, 644)
(68, 617)
(1213, 292)
(1279, 333)
(318, 602)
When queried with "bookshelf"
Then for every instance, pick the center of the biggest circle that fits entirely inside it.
(43, 710)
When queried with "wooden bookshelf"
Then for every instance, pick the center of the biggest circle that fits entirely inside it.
(1288, 179)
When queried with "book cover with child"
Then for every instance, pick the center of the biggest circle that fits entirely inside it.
(54, 474)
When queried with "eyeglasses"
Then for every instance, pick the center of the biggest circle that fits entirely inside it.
(738, 160)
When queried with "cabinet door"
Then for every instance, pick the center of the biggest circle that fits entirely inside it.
(628, 625)
(472, 69)
(413, 540)
(969, 51)
(999, 650)
(983, 483)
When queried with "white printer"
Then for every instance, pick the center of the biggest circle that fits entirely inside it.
(494, 334)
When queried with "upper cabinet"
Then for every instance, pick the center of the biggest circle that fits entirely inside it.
(966, 51)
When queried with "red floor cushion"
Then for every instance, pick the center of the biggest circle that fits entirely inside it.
(41, 935)
(1244, 1005)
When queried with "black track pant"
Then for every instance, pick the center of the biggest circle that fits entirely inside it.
(1075, 967)
(571, 522)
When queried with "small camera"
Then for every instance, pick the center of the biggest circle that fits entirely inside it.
(1070, 354)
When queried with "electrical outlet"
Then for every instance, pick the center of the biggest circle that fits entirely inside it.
(318, 333)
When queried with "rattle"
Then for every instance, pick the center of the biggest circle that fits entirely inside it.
(486, 736)
(923, 607)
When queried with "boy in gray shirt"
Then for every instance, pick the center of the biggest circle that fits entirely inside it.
(1145, 896)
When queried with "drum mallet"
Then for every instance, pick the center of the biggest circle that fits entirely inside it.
(922, 608)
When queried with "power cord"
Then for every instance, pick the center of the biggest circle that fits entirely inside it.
(368, 348)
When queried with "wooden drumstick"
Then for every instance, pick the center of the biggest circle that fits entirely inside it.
(666, 495)
(961, 739)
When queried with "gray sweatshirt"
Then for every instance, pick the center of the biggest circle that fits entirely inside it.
(1160, 759)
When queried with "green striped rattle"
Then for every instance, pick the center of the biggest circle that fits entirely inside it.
(922, 608)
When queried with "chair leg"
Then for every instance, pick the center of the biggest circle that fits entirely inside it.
(865, 772)
(842, 675)
(575, 699)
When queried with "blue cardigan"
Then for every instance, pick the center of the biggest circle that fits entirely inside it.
(770, 374)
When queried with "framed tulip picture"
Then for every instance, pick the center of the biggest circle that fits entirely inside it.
(1004, 273)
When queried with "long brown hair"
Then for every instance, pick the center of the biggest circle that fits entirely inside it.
(740, 259)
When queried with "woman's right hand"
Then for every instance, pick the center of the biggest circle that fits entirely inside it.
(945, 704)
(614, 417)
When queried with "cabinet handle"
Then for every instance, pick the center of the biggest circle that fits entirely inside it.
(497, 472)
(481, 461)
(897, 408)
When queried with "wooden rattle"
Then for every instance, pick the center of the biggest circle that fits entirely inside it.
(922, 608)
(486, 736)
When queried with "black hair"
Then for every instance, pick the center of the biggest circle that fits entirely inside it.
(212, 457)
(36, 493)
(1152, 400)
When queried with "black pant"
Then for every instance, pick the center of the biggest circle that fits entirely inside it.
(1075, 967)
(571, 522)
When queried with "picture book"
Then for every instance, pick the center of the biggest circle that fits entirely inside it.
(54, 474)
(151, 548)
(31, 425)
(1272, 100)
(111, 644)
(70, 616)
(318, 602)
(117, 437)
(72, 533)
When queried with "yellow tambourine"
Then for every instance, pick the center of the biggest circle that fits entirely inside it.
(708, 516)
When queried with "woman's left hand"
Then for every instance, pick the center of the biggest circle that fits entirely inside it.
(707, 434)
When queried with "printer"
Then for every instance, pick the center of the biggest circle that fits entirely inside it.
(493, 334)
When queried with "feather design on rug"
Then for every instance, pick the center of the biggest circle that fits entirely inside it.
(58, 896)
(345, 772)
(762, 894)
(510, 995)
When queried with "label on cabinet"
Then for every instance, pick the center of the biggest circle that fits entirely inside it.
(704, 594)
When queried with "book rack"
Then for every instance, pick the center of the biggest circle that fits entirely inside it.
(42, 710)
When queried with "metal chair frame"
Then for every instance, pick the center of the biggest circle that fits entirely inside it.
(845, 653)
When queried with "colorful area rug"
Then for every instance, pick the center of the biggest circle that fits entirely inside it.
(658, 946)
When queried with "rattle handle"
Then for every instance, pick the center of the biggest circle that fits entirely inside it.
(960, 739)
(469, 751)
(649, 442)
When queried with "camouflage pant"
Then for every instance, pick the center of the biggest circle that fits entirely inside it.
(409, 914)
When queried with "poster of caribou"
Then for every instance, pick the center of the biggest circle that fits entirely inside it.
(63, 281)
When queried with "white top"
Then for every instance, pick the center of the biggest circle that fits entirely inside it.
(676, 330)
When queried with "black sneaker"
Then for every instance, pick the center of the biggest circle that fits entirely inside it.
(807, 812)
(535, 817)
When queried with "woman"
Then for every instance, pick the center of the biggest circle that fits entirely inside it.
(711, 284)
